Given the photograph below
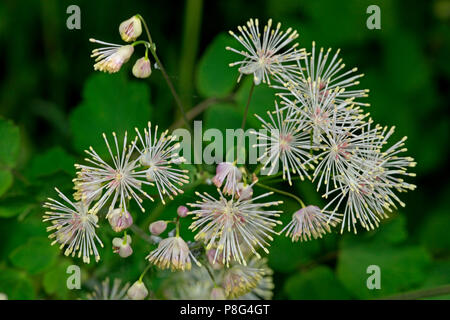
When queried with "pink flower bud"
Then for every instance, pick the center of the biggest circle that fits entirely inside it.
(182, 211)
(119, 219)
(130, 29)
(244, 192)
(122, 246)
(137, 291)
(142, 68)
(157, 227)
(217, 294)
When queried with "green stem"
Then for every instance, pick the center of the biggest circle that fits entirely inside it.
(152, 48)
(248, 104)
(143, 273)
(211, 275)
(282, 192)
(419, 294)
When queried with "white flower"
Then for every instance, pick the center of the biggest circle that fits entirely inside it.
(105, 292)
(309, 222)
(234, 227)
(122, 246)
(265, 286)
(239, 280)
(119, 181)
(73, 227)
(228, 172)
(157, 156)
(137, 291)
(287, 142)
(120, 219)
(267, 55)
(130, 29)
(172, 253)
(111, 58)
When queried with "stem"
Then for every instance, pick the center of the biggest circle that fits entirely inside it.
(282, 192)
(423, 293)
(152, 48)
(210, 275)
(248, 104)
(143, 273)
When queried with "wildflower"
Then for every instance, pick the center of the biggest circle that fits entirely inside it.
(309, 221)
(73, 227)
(122, 246)
(82, 190)
(157, 227)
(157, 156)
(137, 291)
(172, 253)
(105, 292)
(289, 143)
(318, 76)
(111, 58)
(269, 55)
(120, 219)
(142, 68)
(228, 172)
(130, 29)
(182, 211)
(239, 280)
(234, 226)
(118, 180)
(264, 287)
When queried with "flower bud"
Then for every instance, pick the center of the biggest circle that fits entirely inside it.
(119, 219)
(217, 264)
(217, 294)
(122, 246)
(244, 192)
(142, 68)
(3, 296)
(130, 29)
(137, 291)
(157, 227)
(182, 211)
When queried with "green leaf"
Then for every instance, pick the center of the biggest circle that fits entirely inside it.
(110, 104)
(401, 268)
(52, 161)
(9, 143)
(222, 116)
(215, 78)
(6, 180)
(55, 281)
(316, 284)
(34, 256)
(16, 285)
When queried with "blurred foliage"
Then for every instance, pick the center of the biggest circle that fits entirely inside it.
(53, 106)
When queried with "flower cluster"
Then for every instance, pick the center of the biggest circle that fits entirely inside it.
(111, 184)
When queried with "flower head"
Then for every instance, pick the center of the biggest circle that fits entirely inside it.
(157, 155)
(73, 227)
(285, 142)
(264, 287)
(309, 222)
(120, 219)
(234, 227)
(130, 29)
(239, 280)
(111, 58)
(105, 292)
(172, 253)
(267, 55)
(228, 172)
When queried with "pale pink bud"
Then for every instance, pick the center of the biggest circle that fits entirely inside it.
(119, 219)
(137, 291)
(182, 211)
(217, 294)
(142, 68)
(214, 261)
(244, 192)
(130, 29)
(122, 246)
(157, 227)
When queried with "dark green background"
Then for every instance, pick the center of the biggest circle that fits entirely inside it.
(60, 106)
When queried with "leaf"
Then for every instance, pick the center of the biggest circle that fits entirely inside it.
(215, 78)
(9, 143)
(402, 268)
(316, 284)
(52, 161)
(12, 206)
(16, 285)
(34, 256)
(6, 180)
(55, 281)
(222, 116)
(110, 104)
